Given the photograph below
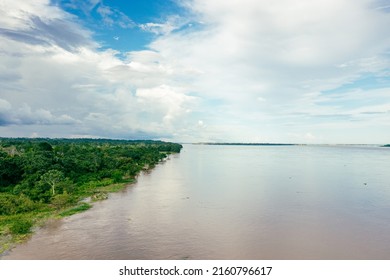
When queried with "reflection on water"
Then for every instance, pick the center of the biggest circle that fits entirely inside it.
(237, 202)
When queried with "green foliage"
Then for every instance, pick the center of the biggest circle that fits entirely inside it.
(21, 226)
(45, 146)
(80, 208)
(43, 168)
(63, 200)
(53, 178)
(11, 169)
(117, 176)
(41, 176)
(11, 204)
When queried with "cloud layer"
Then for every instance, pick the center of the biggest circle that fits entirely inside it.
(249, 71)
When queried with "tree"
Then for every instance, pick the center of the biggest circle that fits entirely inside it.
(11, 170)
(53, 178)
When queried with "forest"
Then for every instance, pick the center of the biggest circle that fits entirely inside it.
(41, 178)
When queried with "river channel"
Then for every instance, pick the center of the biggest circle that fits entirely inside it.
(236, 202)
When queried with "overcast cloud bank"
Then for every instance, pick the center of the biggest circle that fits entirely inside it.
(246, 71)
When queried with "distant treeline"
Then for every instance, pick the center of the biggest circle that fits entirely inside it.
(247, 144)
(46, 175)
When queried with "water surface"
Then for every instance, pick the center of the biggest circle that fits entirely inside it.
(236, 202)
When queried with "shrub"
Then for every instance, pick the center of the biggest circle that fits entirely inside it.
(62, 200)
(11, 204)
(21, 226)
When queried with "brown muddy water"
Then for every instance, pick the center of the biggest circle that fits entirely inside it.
(236, 202)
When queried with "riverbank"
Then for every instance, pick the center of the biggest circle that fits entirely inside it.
(23, 230)
(43, 179)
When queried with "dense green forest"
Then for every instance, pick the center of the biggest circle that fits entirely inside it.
(45, 177)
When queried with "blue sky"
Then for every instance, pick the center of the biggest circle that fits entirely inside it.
(196, 70)
(117, 24)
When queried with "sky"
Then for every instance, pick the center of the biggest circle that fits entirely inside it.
(281, 71)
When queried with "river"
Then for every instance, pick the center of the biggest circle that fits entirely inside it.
(236, 202)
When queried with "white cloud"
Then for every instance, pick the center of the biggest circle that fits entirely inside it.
(280, 43)
(108, 16)
(168, 103)
(157, 28)
(111, 16)
(261, 59)
(50, 84)
(24, 115)
(171, 24)
(4, 105)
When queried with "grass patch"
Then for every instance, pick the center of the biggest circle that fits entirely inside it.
(113, 187)
(101, 193)
(80, 208)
